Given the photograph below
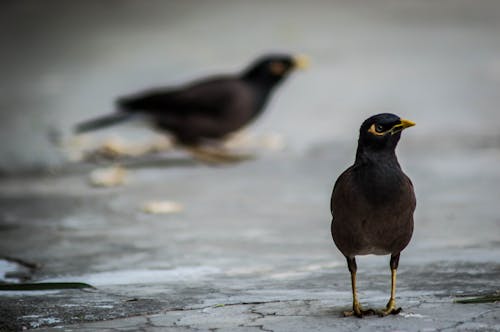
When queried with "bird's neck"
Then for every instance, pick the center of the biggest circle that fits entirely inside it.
(261, 80)
(373, 157)
(261, 86)
(262, 90)
(378, 175)
(263, 94)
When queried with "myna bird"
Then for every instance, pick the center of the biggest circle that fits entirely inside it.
(206, 110)
(372, 203)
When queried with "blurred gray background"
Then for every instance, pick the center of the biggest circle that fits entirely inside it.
(435, 62)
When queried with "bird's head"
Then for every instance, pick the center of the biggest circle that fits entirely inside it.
(382, 131)
(271, 69)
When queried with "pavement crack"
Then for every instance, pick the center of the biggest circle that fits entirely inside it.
(261, 327)
(253, 303)
(253, 310)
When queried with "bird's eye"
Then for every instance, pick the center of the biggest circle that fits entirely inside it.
(277, 68)
(379, 128)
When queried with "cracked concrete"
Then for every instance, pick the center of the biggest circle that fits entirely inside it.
(207, 271)
(317, 316)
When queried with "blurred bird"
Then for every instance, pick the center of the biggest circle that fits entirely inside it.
(372, 203)
(206, 110)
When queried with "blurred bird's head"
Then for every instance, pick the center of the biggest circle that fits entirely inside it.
(382, 131)
(273, 68)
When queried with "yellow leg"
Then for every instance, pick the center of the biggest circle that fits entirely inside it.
(357, 310)
(391, 305)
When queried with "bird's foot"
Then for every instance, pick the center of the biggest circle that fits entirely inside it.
(232, 157)
(213, 156)
(358, 311)
(390, 309)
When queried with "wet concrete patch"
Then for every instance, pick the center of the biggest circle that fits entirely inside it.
(36, 309)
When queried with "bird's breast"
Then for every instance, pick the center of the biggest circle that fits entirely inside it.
(373, 212)
(382, 185)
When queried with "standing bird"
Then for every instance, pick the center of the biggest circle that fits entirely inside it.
(206, 110)
(373, 202)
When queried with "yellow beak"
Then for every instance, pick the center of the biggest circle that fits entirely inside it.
(301, 62)
(406, 123)
(403, 124)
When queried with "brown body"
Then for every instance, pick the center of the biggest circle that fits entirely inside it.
(375, 217)
(208, 109)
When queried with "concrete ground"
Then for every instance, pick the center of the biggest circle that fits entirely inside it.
(252, 250)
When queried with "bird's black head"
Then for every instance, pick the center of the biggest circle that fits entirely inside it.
(381, 132)
(272, 69)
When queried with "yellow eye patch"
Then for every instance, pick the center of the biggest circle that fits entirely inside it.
(373, 131)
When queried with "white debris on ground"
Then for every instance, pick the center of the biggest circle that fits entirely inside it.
(42, 321)
(411, 315)
(243, 140)
(162, 207)
(84, 147)
(108, 177)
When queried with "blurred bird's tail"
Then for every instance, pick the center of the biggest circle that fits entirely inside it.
(102, 122)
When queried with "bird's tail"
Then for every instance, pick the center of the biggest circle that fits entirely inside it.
(102, 122)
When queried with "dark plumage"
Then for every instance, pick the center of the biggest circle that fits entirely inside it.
(373, 201)
(208, 109)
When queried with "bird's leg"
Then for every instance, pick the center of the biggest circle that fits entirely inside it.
(229, 156)
(216, 155)
(204, 155)
(357, 310)
(391, 305)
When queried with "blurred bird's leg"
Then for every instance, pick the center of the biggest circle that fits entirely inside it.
(357, 310)
(203, 155)
(216, 155)
(391, 305)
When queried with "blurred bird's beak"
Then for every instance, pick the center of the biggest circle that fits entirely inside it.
(301, 62)
(403, 124)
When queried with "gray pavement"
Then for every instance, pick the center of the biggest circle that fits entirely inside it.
(251, 251)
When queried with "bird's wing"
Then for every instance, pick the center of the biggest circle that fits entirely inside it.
(412, 200)
(347, 210)
(212, 118)
(210, 96)
(342, 190)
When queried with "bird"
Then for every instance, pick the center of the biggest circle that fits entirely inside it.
(206, 110)
(373, 202)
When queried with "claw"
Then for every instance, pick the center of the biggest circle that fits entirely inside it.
(213, 156)
(358, 311)
(390, 309)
